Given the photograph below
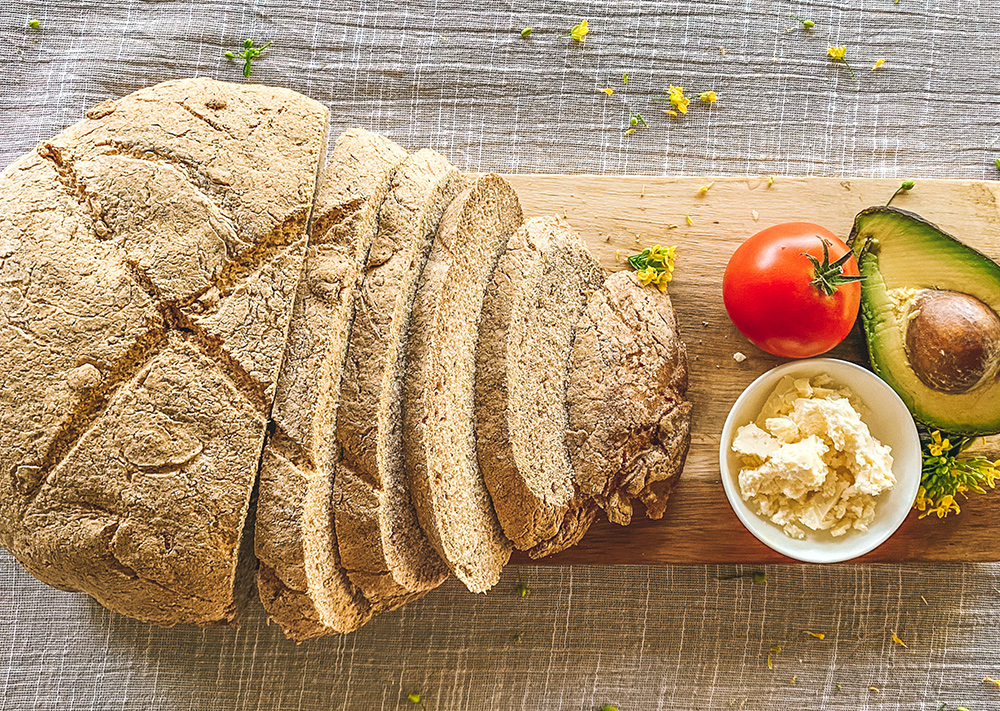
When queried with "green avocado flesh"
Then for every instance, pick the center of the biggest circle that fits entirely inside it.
(907, 261)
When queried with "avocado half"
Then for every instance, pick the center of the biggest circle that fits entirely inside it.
(929, 307)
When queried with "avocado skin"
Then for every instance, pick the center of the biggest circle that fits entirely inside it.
(910, 252)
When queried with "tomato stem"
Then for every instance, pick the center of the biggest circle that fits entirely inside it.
(829, 277)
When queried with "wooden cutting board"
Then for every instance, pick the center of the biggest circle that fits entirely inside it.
(619, 216)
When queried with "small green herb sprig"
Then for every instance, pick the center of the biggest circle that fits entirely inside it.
(249, 53)
(947, 472)
(758, 577)
(807, 24)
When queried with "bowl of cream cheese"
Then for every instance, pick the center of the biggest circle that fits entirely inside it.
(820, 460)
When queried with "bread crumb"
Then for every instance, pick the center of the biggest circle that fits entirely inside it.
(618, 255)
(755, 215)
(739, 357)
(723, 50)
(642, 193)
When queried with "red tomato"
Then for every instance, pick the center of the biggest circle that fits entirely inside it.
(775, 294)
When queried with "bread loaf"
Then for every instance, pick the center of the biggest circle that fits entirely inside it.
(150, 258)
(187, 310)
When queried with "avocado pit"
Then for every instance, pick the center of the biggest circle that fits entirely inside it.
(952, 341)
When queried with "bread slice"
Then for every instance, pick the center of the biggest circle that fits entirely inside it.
(382, 546)
(629, 421)
(131, 427)
(451, 499)
(302, 584)
(539, 290)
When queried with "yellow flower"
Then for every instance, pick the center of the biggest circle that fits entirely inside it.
(579, 32)
(938, 445)
(630, 132)
(609, 91)
(878, 63)
(709, 97)
(947, 505)
(817, 635)
(671, 112)
(897, 640)
(703, 190)
(677, 98)
(837, 52)
(991, 680)
(647, 276)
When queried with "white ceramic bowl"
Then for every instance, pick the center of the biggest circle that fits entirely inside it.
(889, 422)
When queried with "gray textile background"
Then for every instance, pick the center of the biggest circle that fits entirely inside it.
(457, 77)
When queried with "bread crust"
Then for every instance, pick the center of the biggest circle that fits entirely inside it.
(629, 419)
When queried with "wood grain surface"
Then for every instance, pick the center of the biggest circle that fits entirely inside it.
(619, 216)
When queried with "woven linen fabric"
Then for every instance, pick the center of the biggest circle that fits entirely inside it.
(458, 77)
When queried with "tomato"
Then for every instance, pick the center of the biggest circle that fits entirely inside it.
(785, 303)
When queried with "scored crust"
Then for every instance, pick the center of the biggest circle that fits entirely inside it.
(540, 288)
(449, 494)
(133, 409)
(301, 580)
(629, 421)
(381, 543)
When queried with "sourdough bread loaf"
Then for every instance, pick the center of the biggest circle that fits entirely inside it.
(383, 548)
(629, 421)
(301, 580)
(149, 261)
(452, 503)
(539, 290)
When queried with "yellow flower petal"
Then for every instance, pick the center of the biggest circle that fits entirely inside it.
(897, 640)
(878, 63)
(991, 680)
(630, 132)
(817, 635)
(689, 220)
(670, 112)
(609, 91)
(709, 97)
(705, 188)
